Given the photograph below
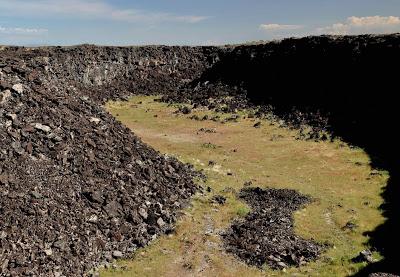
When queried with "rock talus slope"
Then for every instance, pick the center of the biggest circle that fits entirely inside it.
(78, 188)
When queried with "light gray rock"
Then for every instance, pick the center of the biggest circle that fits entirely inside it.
(12, 116)
(160, 222)
(48, 252)
(95, 120)
(4, 96)
(42, 127)
(18, 88)
(117, 254)
(143, 213)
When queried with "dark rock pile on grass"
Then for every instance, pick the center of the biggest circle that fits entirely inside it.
(266, 235)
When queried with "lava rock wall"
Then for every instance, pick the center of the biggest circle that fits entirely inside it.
(127, 70)
(352, 80)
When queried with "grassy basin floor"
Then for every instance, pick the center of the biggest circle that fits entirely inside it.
(337, 176)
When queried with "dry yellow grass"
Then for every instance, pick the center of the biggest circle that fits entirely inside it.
(335, 175)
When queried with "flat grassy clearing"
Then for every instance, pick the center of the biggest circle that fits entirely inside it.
(338, 177)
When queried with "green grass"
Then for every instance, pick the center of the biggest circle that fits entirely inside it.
(336, 176)
(242, 211)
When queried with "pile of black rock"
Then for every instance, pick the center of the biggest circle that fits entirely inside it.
(77, 188)
(266, 234)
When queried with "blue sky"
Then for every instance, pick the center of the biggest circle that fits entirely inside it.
(184, 22)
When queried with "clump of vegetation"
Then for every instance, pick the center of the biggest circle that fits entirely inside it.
(209, 145)
(242, 211)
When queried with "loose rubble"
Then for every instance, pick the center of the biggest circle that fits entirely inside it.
(364, 256)
(77, 188)
(266, 235)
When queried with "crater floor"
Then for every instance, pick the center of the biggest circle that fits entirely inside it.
(234, 154)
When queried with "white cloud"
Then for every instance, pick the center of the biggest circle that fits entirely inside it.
(279, 27)
(362, 25)
(89, 9)
(21, 31)
(137, 16)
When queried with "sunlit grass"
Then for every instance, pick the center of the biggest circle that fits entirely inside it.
(336, 176)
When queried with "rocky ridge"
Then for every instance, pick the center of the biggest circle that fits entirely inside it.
(78, 189)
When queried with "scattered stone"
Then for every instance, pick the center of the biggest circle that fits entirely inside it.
(42, 127)
(143, 213)
(16, 145)
(218, 199)
(185, 110)
(247, 183)
(4, 96)
(281, 264)
(95, 120)
(381, 274)
(257, 125)
(207, 130)
(350, 226)
(113, 209)
(48, 252)
(117, 254)
(95, 196)
(18, 88)
(12, 116)
(160, 222)
(93, 218)
(364, 256)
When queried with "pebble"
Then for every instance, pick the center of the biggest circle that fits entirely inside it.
(42, 127)
(18, 88)
(117, 254)
(160, 222)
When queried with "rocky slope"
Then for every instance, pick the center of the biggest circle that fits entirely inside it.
(77, 188)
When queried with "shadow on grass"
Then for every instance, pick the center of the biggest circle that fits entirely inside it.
(352, 81)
